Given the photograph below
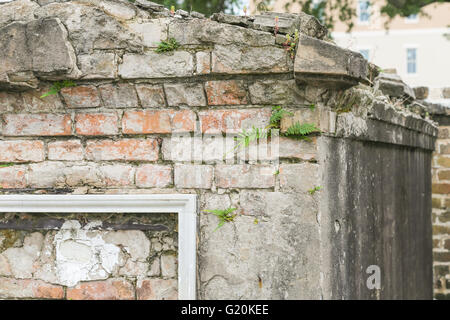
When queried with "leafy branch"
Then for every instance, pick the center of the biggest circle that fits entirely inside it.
(57, 86)
(225, 215)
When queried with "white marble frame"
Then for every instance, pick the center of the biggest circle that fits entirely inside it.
(185, 205)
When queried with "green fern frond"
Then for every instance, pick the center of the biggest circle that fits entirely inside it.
(277, 114)
(303, 129)
(225, 215)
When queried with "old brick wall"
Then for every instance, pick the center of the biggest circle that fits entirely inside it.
(441, 204)
(113, 132)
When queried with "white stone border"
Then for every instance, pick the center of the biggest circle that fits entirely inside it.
(185, 205)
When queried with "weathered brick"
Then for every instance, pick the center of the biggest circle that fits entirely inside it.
(153, 176)
(121, 95)
(156, 121)
(444, 132)
(117, 175)
(226, 92)
(436, 202)
(193, 176)
(12, 177)
(203, 62)
(444, 148)
(37, 124)
(98, 65)
(299, 177)
(298, 149)
(244, 176)
(276, 92)
(81, 97)
(15, 288)
(124, 149)
(169, 265)
(157, 289)
(21, 151)
(447, 245)
(151, 96)
(443, 188)
(440, 229)
(44, 174)
(152, 32)
(111, 289)
(233, 120)
(190, 94)
(443, 161)
(70, 150)
(33, 102)
(441, 256)
(443, 175)
(156, 65)
(96, 124)
(11, 102)
(444, 217)
(243, 59)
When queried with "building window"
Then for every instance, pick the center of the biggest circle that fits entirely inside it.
(363, 11)
(411, 60)
(412, 18)
(365, 53)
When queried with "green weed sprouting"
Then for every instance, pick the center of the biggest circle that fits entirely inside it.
(313, 190)
(57, 86)
(225, 215)
(291, 43)
(4, 165)
(169, 45)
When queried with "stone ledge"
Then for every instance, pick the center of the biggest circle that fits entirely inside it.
(322, 62)
(393, 86)
(386, 113)
(349, 126)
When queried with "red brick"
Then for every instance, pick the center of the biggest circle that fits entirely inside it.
(150, 175)
(124, 149)
(12, 177)
(96, 124)
(19, 288)
(42, 124)
(70, 150)
(226, 92)
(81, 97)
(233, 120)
(111, 289)
(156, 121)
(443, 188)
(21, 151)
(157, 289)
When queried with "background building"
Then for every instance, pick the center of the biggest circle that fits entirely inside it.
(418, 47)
